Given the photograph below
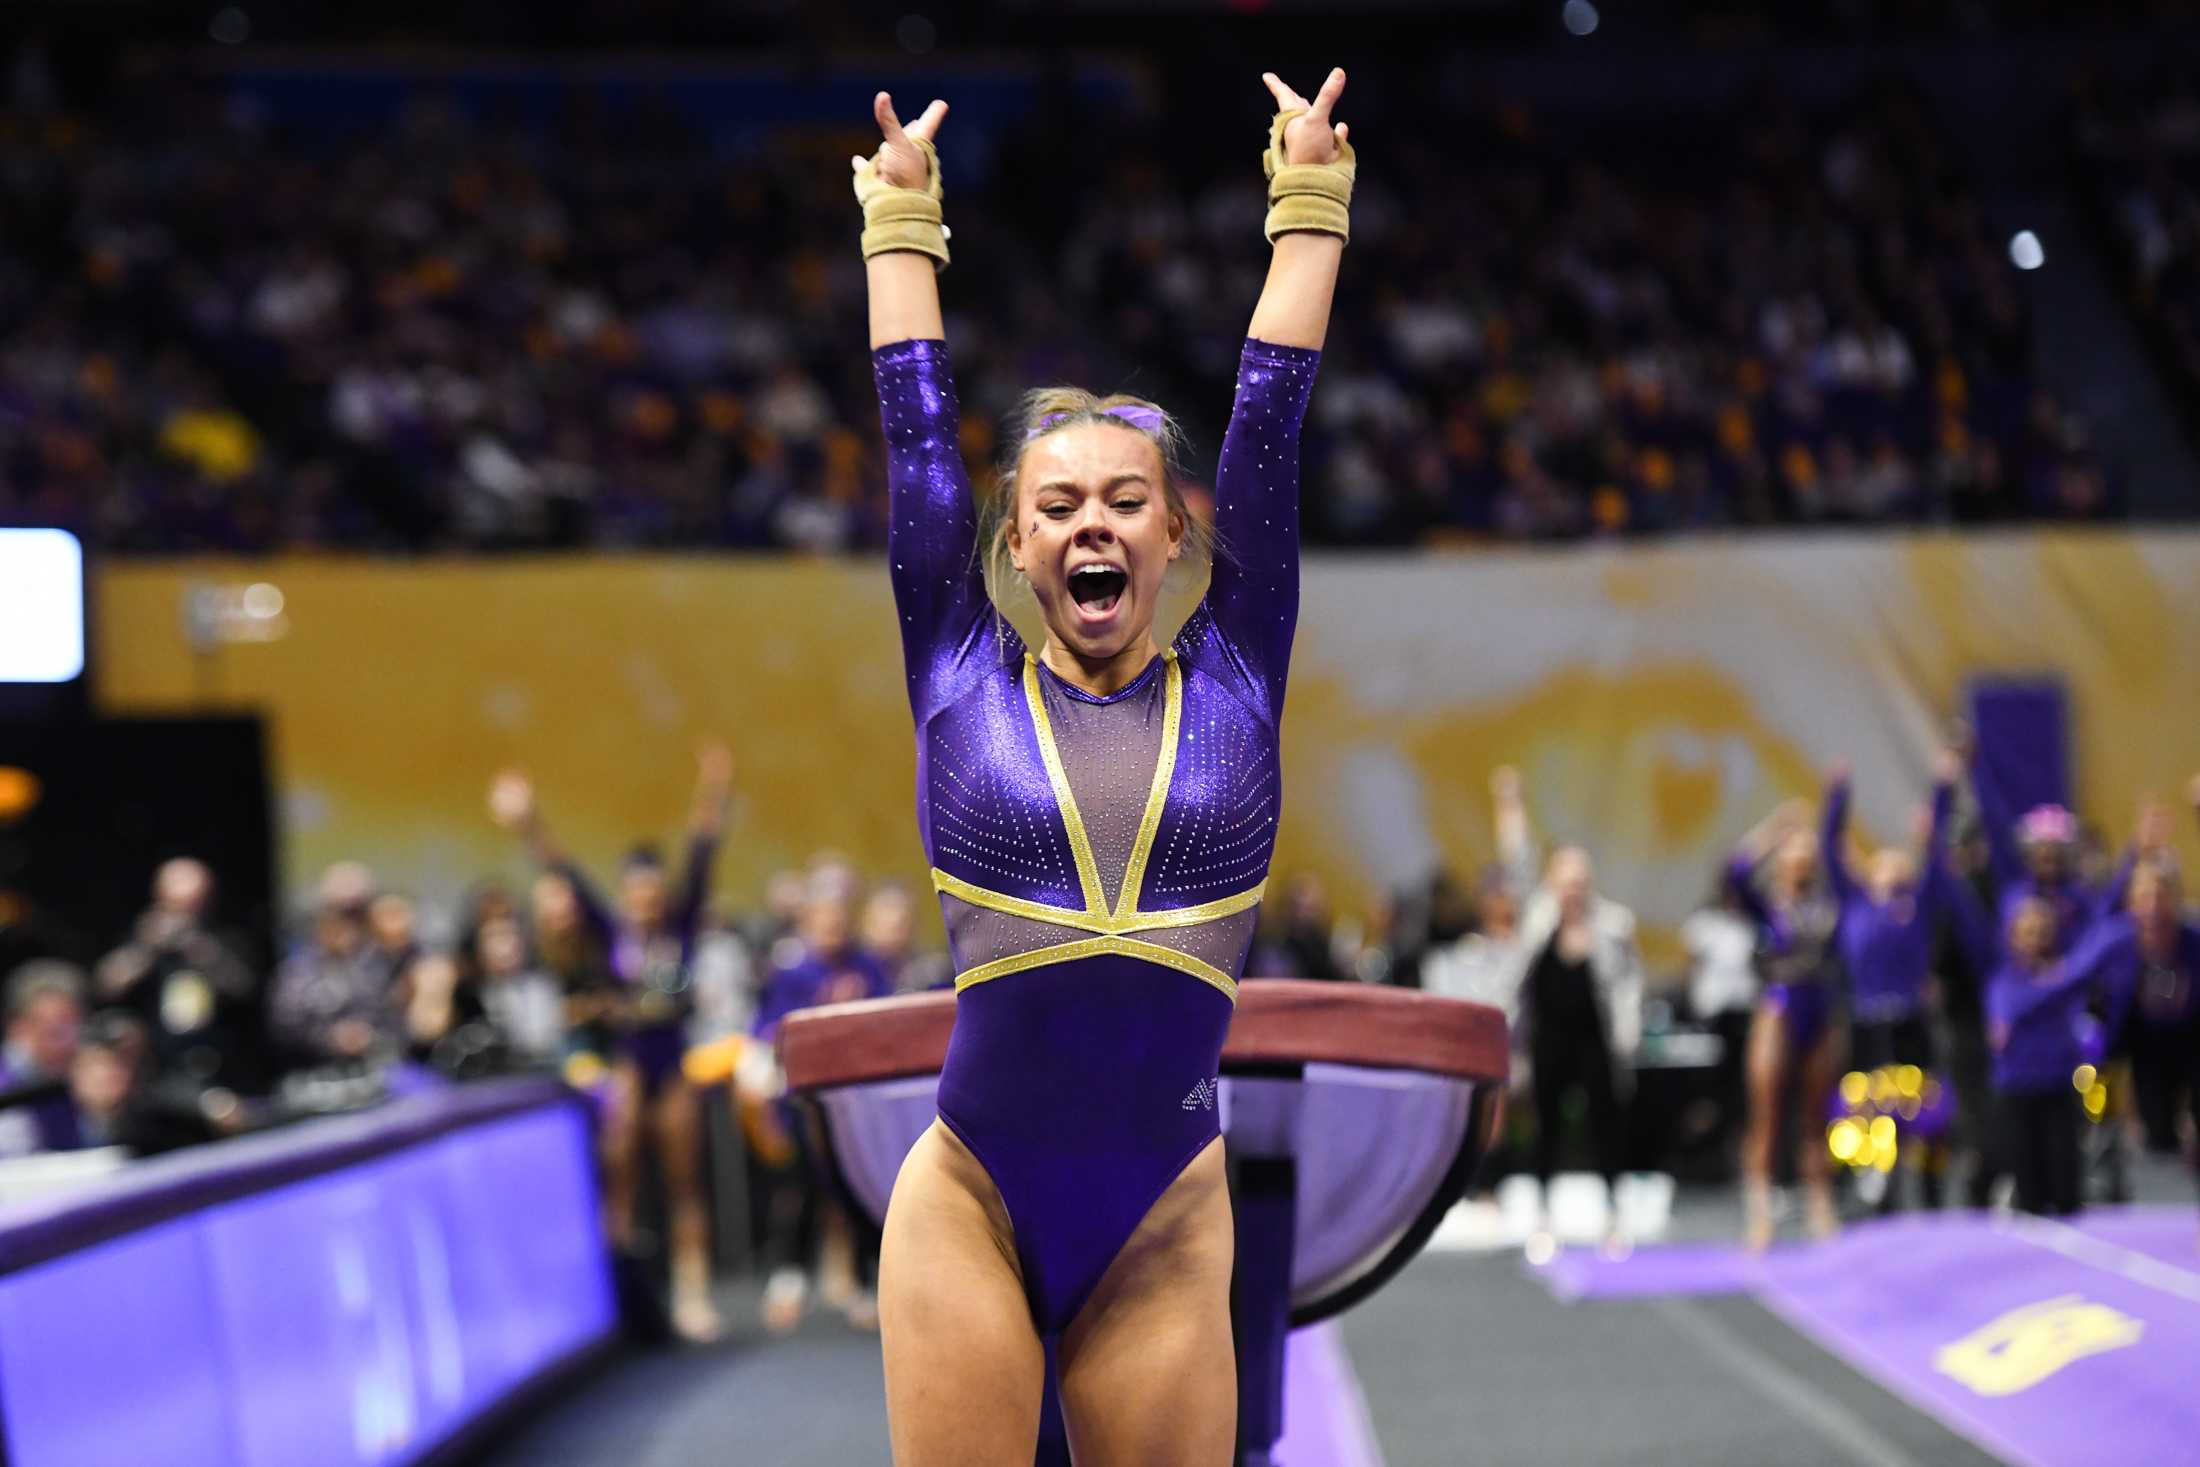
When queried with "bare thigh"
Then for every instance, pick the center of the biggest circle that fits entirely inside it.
(1816, 1073)
(965, 1371)
(676, 1126)
(1766, 1074)
(1149, 1376)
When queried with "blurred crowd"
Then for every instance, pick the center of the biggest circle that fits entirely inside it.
(2008, 996)
(2136, 161)
(223, 331)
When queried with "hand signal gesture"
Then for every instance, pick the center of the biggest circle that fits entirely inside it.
(900, 163)
(1308, 139)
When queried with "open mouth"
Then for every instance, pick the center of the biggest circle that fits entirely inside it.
(1097, 587)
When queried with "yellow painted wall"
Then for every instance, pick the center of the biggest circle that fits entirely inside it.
(1658, 699)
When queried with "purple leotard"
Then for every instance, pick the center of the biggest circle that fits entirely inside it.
(656, 966)
(1795, 955)
(1886, 945)
(1099, 860)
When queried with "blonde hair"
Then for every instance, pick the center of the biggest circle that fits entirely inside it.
(1045, 411)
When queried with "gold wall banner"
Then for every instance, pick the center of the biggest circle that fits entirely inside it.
(1657, 699)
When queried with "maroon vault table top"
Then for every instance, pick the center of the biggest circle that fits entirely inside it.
(1278, 1021)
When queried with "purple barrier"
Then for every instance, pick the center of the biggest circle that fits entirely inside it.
(359, 1290)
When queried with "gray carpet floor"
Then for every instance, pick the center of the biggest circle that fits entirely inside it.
(1464, 1360)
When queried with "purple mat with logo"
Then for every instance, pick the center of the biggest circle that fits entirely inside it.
(2045, 1343)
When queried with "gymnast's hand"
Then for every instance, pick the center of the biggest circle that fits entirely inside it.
(899, 164)
(512, 800)
(1308, 139)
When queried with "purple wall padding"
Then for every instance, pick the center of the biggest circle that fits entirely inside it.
(360, 1315)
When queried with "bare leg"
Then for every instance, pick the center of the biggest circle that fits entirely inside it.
(1766, 1077)
(1149, 1378)
(675, 1123)
(618, 1147)
(965, 1372)
(1819, 1070)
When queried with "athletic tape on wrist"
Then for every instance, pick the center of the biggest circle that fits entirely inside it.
(897, 218)
(1307, 197)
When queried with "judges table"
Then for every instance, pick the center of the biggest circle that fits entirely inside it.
(1353, 1117)
(366, 1290)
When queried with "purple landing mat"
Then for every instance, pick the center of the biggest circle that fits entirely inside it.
(1585, 1273)
(1325, 1422)
(2168, 1235)
(2044, 1342)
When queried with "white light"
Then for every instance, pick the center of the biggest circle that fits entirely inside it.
(262, 601)
(41, 606)
(1580, 17)
(2025, 252)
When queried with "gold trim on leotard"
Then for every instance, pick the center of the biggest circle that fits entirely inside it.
(1088, 947)
(1111, 929)
(1080, 843)
(1107, 926)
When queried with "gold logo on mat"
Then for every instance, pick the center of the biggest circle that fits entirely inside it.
(2026, 1346)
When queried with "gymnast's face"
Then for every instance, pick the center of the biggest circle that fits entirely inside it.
(1094, 535)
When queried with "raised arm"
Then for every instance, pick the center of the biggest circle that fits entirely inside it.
(1515, 844)
(1833, 827)
(713, 792)
(2000, 824)
(512, 805)
(1253, 594)
(1934, 878)
(932, 528)
(1302, 274)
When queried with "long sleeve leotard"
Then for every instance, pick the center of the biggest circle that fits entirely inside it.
(1099, 860)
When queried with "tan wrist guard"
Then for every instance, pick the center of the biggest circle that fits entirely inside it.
(1307, 197)
(903, 218)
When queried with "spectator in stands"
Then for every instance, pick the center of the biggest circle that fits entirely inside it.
(521, 1003)
(1301, 942)
(1807, 323)
(827, 967)
(888, 936)
(1489, 963)
(1580, 1001)
(191, 989)
(331, 1000)
(45, 1017)
(2162, 1022)
(1721, 942)
(119, 1102)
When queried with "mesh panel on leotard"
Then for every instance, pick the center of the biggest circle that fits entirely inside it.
(980, 936)
(1109, 748)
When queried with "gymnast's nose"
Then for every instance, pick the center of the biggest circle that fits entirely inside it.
(1092, 525)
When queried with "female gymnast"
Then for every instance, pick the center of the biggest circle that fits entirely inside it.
(1100, 815)
(649, 944)
(1887, 925)
(1796, 1043)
